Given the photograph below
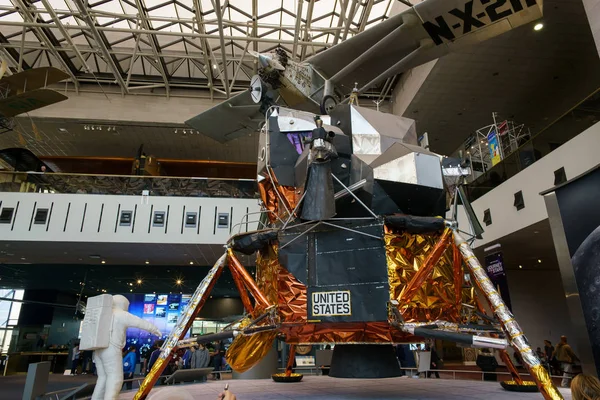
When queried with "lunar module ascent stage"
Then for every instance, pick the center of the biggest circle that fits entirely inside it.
(353, 251)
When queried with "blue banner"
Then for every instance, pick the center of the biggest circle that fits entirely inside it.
(494, 266)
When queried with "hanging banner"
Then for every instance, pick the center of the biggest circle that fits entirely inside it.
(494, 266)
(494, 146)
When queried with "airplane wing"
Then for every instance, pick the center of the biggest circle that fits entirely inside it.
(32, 79)
(235, 117)
(29, 101)
(427, 31)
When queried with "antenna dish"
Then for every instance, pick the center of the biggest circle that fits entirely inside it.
(256, 89)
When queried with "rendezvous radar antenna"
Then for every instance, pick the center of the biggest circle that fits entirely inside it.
(354, 95)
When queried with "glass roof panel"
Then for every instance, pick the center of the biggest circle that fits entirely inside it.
(174, 25)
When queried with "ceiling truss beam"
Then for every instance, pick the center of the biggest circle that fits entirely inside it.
(42, 35)
(158, 61)
(100, 42)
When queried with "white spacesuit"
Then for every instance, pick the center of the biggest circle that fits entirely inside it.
(109, 360)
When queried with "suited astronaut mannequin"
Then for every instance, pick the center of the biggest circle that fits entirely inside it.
(109, 361)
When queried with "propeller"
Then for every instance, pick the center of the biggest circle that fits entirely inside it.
(267, 60)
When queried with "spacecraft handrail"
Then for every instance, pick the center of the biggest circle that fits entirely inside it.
(245, 221)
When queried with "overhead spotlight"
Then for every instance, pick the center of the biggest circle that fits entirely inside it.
(147, 262)
(178, 281)
(176, 130)
(103, 262)
(139, 281)
(520, 267)
(538, 27)
(131, 290)
(214, 66)
(191, 263)
(539, 261)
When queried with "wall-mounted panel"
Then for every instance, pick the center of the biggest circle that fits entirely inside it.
(125, 219)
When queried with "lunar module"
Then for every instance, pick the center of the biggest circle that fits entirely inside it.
(354, 250)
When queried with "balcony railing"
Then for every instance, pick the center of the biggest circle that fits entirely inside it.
(569, 125)
(127, 185)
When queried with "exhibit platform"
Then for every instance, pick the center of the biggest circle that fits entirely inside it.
(328, 388)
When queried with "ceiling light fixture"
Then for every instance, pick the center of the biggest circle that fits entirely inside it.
(520, 267)
(539, 261)
(139, 281)
(191, 263)
(214, 66)
(178, 281)
(103, 262)
(538, 27)
(147, 262)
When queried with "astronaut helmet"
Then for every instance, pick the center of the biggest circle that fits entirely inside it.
(120, 302)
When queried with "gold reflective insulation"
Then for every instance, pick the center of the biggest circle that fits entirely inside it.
(246, 351)
(436, 297)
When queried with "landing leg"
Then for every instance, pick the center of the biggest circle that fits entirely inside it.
(183, 325)
(507, 321)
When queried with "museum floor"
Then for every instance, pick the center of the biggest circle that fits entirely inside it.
(327, 388)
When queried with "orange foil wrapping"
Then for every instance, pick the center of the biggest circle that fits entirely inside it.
(271, 196)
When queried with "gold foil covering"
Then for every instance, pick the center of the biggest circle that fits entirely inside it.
(246, 351)
(545, 384)
(424, 272)
(436, 298)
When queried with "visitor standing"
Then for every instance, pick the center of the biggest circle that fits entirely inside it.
(200, 359)
(488, 364)
(567, 358)
(129, 362)
(75, 359)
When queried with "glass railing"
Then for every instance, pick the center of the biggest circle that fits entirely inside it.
(126, 185)
(571, 124)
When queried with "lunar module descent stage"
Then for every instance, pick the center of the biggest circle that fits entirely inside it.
(353, 251)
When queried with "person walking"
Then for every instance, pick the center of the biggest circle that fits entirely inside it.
(75, 359)
(488, 364)
(129, 362)
(435, 362)
(567, 358)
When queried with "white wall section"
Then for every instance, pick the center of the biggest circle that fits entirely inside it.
(97, 218)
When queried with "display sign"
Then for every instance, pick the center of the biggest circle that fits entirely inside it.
(330, 304)
(494, 146)
(494, 266)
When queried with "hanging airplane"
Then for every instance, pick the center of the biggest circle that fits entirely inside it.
(422, 33)
(27, 91)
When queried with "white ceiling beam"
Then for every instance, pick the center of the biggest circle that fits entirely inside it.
(162, 33)
(91, 25)
(28, 17)
(219, 12)
(159, 62)
(297, 28)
